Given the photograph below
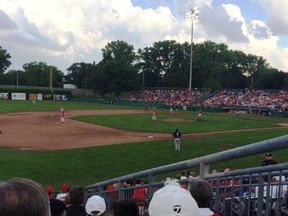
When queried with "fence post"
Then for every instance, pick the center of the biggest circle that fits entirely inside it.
(204, 170)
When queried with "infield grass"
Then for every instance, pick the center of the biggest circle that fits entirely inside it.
(90, 165)
(186, 122)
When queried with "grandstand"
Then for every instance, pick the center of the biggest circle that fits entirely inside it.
(265, 102)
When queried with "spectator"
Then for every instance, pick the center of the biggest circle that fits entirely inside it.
(183, 175)
(140, 194)
(49, 191)
(63, 193)
(173, 200)
(23, 197)
(268, 160)
(261, 100)
(191, 175)
(76, 198)
(126, 207)
(203, 194)
(58, 208)
(95, 206)
(128, 193)
(112, 195)
(181, 179)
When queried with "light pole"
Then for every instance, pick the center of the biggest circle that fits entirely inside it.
(141, 63)
(17, 78)
(192, 14)
(143, 84)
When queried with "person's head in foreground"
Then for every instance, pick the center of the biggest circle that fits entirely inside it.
(76, 195)
(201, 192)
(58, 207)
(172, 200)
(23, 197)
(95, 205)
(126, 207)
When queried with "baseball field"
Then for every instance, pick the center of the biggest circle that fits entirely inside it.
(99, 142)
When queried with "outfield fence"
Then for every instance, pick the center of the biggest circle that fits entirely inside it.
(248, 191)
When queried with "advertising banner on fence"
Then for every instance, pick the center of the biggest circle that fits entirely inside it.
(35, 97)
(18, 96)
(4, 96)
(48, 97)
(60, 97)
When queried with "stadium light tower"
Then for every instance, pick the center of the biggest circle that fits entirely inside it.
(192, 15)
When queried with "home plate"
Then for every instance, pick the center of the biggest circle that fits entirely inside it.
(150, 137)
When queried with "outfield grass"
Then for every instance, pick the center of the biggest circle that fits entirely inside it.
(90, 165)
(7, 106)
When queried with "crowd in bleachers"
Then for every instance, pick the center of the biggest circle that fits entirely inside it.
(170, 97)
(274, 100)
(269, 99)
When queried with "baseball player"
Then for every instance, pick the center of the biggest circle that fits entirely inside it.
(62, 119)
(177, 134)
(154, 118)
(200, 115)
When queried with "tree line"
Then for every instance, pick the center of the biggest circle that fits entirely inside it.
(164, 64)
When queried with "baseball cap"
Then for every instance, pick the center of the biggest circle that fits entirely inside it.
(61, 196)
(95, 203)
(64, 188)
(268, 154)
(172, 200)
(49, 189)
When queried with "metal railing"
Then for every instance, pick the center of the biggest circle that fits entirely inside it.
(260, 197)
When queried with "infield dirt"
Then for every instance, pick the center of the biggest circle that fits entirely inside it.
(42, 131)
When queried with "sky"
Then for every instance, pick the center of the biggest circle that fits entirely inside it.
(63, 32)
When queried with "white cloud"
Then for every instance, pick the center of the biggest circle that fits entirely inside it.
(64, 32)
(277, 15)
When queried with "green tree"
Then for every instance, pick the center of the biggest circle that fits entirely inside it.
(209, 61)
(163, 64)
(120, 51)
(233, 76)
(38, 74)
(4, 60)
(81, 75)
(4, 64)
(15, 77)
(255, 66)
(149, 67)
(116, 73)
(270, 78)
(115, 77)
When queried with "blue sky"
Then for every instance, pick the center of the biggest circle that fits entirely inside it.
(250, 9)
(61, 33)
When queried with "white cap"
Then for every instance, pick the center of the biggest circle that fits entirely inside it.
(95, 203)
(61, 196)
(172, 200)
